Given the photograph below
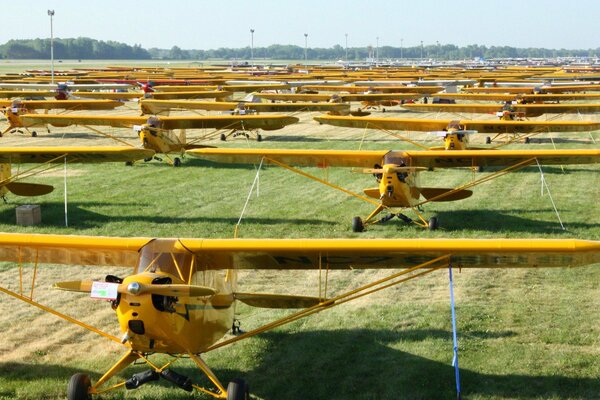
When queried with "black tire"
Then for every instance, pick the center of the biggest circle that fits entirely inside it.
(258, 138)
(488, 140)
(34, 134)
(480, 169)
(79, 387)
(148, 159)
(223, 137)
(433, 223)
(238, 390)
(357, 225)
(176, 162)
(383, 110)
(128, 163)
(527, 140)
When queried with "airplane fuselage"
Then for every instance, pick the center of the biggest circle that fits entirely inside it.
(165, 324)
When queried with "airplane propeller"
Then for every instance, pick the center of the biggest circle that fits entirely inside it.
(136, 288)
(392, 169)
(444, 133)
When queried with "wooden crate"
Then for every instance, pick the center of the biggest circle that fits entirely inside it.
(29, 214)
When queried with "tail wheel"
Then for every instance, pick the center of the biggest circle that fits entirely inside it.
(357, 225)
(223, 137)
(488, 140)
(79, 387)
(433, 223)
(238, 390)
(176, 162)
(258, 138)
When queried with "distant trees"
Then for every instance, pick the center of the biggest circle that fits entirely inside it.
(86, 48)
(79, 48)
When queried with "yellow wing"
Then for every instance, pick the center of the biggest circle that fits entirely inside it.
(294, 96)
(158, 106)
(492, 126)
(318, 158)
(467, 158)
(380, 96)
(71, 104)
(306, 253)
(246, 122)
(67, 120)
(205, 94)
(426, 159)
(73, 154)
(528, 109)
(270, 122)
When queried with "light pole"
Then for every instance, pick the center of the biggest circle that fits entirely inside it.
(346, 47)
(51, 14)
(252, 44)
(377, 50)
(401, 42)
(438, 49)
(305, 47)
(421, 50)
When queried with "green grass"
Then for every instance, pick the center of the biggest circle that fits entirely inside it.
(523, 334)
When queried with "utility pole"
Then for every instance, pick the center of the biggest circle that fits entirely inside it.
(51, 14)
(377, 50)
(401, 42)
(421, 50)
(305, 47)
(346, 47)
(252, 44)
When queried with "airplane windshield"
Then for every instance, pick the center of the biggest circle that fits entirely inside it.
(163, 255)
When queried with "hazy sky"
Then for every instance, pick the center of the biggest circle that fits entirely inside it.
(222, 23)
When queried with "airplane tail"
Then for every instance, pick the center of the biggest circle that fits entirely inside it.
(443, 194)
(29, 189)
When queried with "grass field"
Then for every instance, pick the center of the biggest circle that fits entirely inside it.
(523, 334)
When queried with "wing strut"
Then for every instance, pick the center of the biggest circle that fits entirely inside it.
(369, 288)
(255, 183)
(454, 338)
(545, 184)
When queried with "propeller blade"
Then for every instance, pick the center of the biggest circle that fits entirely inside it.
(74, 286)
(135, 288)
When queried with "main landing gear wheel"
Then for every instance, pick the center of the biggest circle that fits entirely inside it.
(488, 140)
(147, 159)
(258, 138)
(433, 224)
(79, 387)
(223, 137)
(527, 140)
(176, 162)
(237, 390)
(357, 225)
(34, 134)
(128, 163)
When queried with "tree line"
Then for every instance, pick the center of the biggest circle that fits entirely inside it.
(86, 48)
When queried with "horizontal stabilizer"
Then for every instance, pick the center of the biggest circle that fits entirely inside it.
(29, 189)
(265, 300)
(373, 192)
(442, 194)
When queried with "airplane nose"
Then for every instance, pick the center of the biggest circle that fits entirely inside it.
(134, 288)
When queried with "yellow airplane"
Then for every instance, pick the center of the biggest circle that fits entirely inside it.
(523, 98)
(515, 109)
(397, 172)
(151, 106)
(44, 156)
(156, 133)
(518, 129)
(178, 296)
(15, 108)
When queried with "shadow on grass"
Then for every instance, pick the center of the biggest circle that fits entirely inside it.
(348, 364)
(495, 221)
(81, 218)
